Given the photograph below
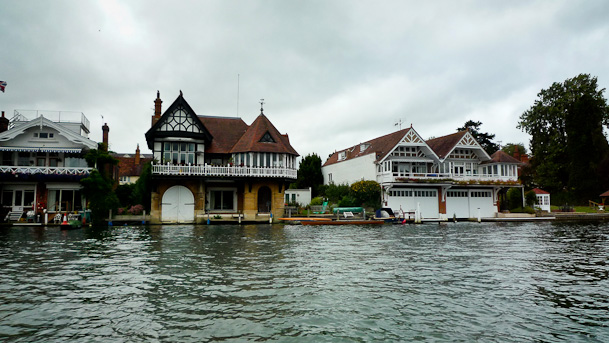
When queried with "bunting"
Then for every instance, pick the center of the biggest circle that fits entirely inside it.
(2, 86)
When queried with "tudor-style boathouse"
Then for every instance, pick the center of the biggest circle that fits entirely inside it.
(216, 168)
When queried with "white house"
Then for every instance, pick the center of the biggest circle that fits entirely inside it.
(298, 196)
(42, 162)
(445, 177)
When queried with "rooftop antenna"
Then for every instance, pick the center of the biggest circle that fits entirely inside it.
(398, 123)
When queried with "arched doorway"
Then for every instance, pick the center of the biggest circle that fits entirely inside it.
(178, 205)
(264, 200)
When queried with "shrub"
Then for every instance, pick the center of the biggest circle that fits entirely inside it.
(336, 192)
(317, 201)
(530, 198)
(347, 201)
(367, 193)
(514, 198)
(136, 209)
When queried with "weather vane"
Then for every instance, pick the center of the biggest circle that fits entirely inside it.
(261, 105)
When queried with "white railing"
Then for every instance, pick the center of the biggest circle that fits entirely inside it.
(46, 170)
(207, 170)
(397, 177)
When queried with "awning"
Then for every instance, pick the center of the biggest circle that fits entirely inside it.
(47, 149)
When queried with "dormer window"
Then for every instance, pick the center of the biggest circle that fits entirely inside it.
(342, 155)
(43, 135)
(363, 147)
(267, 138)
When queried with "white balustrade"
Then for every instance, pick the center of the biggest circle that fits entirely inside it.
(46, 170)
(234, 171)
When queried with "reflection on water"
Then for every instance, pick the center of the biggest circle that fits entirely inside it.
(442, 283)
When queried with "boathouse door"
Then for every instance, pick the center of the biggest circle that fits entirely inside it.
(264, 200)
(178, 205)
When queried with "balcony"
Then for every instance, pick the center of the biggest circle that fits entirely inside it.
(439, 177)
(231, 171)
(45, 170)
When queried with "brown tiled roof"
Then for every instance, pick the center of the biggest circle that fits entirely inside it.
(226, 133)
(539, 191)
(442, 146)
(381, 146)
(502, 157)
(250, 140)
(127, 166)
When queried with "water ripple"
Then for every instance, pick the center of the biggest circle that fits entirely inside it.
(458, 282)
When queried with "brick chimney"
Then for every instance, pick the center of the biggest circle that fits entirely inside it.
(157, 108)
(137, 155)
(105, 129)
(3, 123)
(516, 153)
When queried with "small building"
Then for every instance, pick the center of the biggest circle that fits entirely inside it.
(218, 168)
(130, 166)
(543, 200)
(302, 197)
(42, 162)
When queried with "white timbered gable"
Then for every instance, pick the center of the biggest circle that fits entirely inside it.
(180, 121)
(412, 137)
(468, 141)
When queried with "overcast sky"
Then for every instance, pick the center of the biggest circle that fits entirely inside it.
(332, 73)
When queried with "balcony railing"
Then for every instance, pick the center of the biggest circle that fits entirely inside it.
(234, 171)
(397, 177)
(46, 170)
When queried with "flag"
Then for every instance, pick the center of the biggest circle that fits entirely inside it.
(2, 86)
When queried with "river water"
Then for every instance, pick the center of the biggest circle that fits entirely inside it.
(455, 282)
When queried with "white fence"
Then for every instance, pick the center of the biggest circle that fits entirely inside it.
(207, 170)
(395, 177)
(46, 170)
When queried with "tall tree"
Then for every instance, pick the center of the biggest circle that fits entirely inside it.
(567, 140)
(309, 173)
(485, 139)
(98, 187)
(510, 148)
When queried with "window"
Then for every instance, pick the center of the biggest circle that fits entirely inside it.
(329, 177)
(267, 138)
(222, 200)
(179, 153)
(44, 135)
(406, 151)
(18, 197)
(342, 155)
(65, 200)
(457, 194)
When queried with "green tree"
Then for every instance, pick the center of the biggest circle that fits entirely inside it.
(143, 187)
(98, 187)
(484, 139)
(99, 194)
(335, 192)
(367, 193)
(510, 148)
(309, 174)
(125, 194)
(567, 141)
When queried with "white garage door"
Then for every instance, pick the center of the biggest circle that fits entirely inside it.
(178, 205)
(407, 199)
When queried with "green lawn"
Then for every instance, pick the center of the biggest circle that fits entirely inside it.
(585, 209)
